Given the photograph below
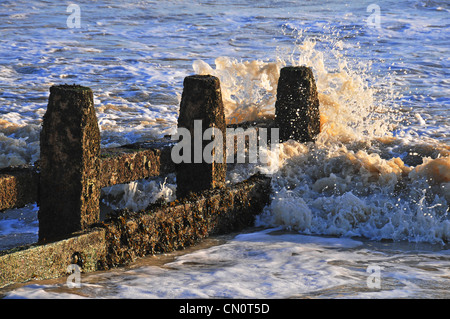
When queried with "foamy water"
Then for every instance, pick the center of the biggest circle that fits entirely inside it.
(380, 169)
(267, 264)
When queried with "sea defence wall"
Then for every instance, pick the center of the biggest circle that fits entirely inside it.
(67, 179)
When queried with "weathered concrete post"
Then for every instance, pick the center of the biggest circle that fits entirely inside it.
(201, 108)
(297, 106)
(70, 165)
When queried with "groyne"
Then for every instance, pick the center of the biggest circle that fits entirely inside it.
(66, 181)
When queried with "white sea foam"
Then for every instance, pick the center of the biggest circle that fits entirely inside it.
(267, 264)
(18, 227)
(337, 191)
(138, 195)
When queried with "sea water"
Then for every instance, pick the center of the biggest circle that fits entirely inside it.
(370, 197)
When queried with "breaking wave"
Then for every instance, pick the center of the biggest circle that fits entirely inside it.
(360, 178)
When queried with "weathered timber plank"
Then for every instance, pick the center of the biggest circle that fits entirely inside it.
(126, 235)
(51, 260)
(135, 161)
(18, 187)
(179, 224)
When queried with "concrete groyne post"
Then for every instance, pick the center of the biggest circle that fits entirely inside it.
(69, 186)
(297, 106)
(201, 108)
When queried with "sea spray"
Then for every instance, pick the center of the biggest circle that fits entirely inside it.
(249, 87)
(358, 179)
(138, 195)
